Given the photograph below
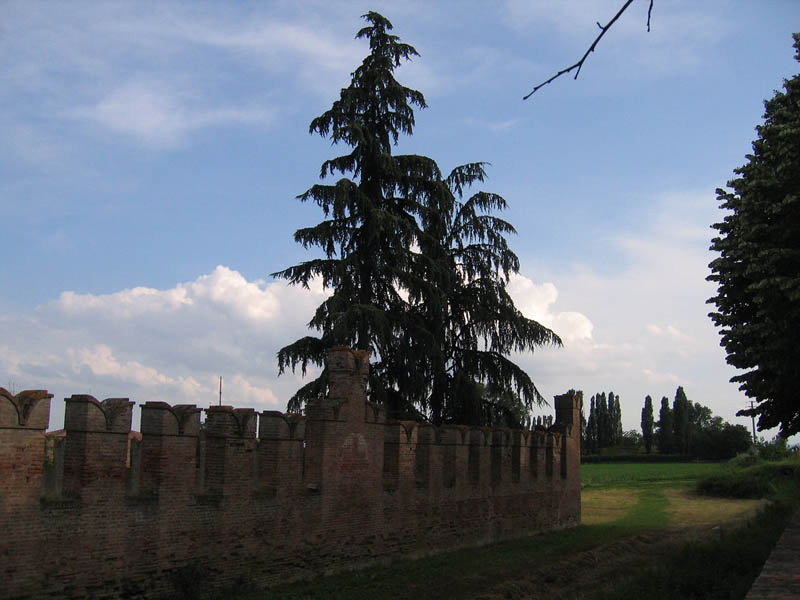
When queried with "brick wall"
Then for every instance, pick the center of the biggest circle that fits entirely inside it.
(260, 498)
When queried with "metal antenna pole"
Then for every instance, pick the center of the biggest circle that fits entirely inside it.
(220, 390)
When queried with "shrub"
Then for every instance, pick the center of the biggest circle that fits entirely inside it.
(777, 449)
(757, 481)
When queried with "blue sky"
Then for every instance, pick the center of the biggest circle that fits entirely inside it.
(152, 153)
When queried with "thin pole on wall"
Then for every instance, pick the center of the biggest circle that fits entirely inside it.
(220, 390)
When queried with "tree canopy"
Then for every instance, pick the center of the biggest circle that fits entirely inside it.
(417, 263)
(758, 268)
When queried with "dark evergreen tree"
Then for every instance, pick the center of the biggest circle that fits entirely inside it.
(584, 425)
(418, 273)
(591, 428)
(680, 422)
(612, 420)
(758, 269)
(647, 423)
(367, 231)
(617, 420)
(664, 432)
(459, 304)
(603, 422)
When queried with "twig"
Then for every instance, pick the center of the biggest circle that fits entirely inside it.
(579, 65)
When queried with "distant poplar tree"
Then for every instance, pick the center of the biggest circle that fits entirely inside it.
(647, 423)
(664, 433)
(584, 428)
(617, 419)
(604, 428)
(680, 422)
(612, 420)
(591, 427)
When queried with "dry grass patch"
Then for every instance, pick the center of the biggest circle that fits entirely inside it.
(607, 505)
(687, 509)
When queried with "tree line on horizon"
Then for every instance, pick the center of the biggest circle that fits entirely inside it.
(685, 428)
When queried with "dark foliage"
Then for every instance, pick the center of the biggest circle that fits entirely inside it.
(418, 267)
(680, 422)
(664, 428)
(648, 424)
(758, 268)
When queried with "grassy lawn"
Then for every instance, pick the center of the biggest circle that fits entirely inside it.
(638, 474)
(622, 504)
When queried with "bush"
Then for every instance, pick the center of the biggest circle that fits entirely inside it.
(757, 481)
(637, 458)
(777, 449)
(746, 459)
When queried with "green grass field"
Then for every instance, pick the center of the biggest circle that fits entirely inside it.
(600, 475)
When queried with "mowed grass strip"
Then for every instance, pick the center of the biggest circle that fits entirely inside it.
(598, 475)
(601, 506)
(687, 509)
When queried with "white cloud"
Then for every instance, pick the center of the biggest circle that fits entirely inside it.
(536, 302)
(162, 344)
(158, 116)
(658, 378)
(223, 291)
(667, 331)
(160, 73)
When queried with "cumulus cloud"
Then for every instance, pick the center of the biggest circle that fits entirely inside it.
(537, 302)
(162, 344)
(223, 291)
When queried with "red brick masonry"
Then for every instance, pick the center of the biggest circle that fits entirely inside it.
(260, 497)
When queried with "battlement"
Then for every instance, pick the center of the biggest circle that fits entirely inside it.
(262, 495)
(29, 409)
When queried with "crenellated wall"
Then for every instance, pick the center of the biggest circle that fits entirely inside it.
(260, 497)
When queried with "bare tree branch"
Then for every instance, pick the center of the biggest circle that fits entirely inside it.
(579, 65)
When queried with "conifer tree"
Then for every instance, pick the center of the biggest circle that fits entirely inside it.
(457, 294)
(647, 423)
(603, 422)
(418, 271)
(591, 427)
(680, 422)
(758, 268)
(616, 420)
(664, 434)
